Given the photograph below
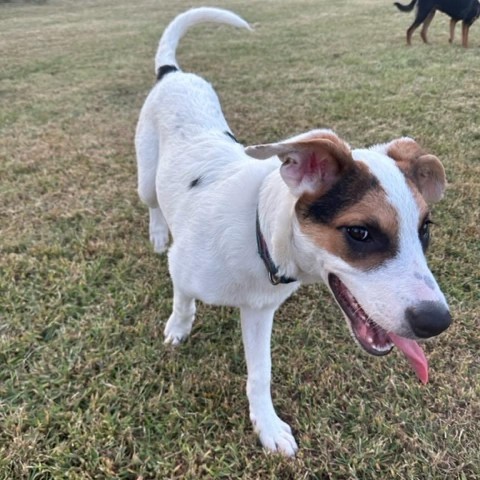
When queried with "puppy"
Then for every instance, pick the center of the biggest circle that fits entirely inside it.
(249, 226)
(466, 10)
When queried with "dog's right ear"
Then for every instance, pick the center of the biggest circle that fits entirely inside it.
(311, 162)
(423, 169)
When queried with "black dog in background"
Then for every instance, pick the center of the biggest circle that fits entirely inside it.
(465, 10)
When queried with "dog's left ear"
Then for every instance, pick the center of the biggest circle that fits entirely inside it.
(423, 169)
(311, 162)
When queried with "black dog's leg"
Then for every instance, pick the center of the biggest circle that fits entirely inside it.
(465, 27)
(426, 24)
(453, 23)
(422, 14)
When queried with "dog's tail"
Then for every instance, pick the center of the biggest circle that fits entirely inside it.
(178, 27)
(406, 8)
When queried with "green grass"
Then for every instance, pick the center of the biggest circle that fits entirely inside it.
(87, 388)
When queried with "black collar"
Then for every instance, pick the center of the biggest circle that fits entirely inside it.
(272, 269)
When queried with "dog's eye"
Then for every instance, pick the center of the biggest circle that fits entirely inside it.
(424, 233)
(359, 234)
(367, 239)
(425, 229)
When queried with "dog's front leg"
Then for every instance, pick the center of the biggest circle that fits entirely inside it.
(274, 434)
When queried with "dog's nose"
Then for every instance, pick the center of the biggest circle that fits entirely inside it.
(428, 319)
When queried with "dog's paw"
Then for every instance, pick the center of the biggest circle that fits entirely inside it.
(159, 240)
(176, 331)
(275, 435)
(174, 339)
(158, 230)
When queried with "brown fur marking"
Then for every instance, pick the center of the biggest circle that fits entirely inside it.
(425, 171)
(372, 208)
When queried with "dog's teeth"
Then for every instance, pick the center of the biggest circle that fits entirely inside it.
(383, 348)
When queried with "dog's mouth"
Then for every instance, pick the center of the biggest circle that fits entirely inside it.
(372, 337)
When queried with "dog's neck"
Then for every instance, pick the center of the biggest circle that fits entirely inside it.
(276, 212)
(264, 253)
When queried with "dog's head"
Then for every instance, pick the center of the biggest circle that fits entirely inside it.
(362, 224)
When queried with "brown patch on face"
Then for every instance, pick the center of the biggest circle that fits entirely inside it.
(423, 169)
(371, 212)
(323, 207)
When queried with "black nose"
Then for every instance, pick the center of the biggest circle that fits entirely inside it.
(428, 319)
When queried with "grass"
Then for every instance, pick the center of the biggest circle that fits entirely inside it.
(87, 388)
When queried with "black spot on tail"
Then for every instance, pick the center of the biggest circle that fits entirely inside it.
(164, 70)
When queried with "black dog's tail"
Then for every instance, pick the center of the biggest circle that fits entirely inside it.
(406, 8)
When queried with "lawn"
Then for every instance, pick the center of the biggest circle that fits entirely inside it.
(87, 388)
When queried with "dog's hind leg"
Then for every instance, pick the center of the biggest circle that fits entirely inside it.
(453, 24)
(180, 323)
(274, 434)
(421, 17)
(147, 149)
(465, 28)
(425, 26)
(410, 31)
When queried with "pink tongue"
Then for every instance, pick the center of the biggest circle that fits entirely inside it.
(415, 355)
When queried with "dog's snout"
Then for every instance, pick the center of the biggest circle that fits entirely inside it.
(428, 319)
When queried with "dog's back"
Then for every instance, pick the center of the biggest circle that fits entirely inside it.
(182, 109)
(182, 105)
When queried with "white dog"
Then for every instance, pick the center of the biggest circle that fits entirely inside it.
(248, 233)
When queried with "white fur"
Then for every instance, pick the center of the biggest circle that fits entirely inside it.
(213, 257)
